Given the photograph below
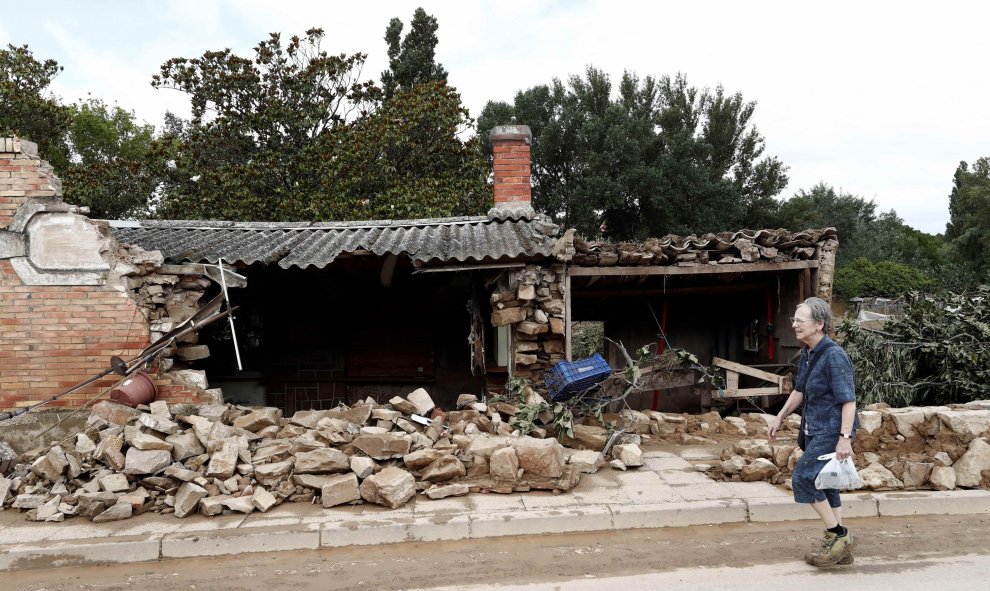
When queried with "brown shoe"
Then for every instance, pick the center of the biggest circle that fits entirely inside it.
(834, 548)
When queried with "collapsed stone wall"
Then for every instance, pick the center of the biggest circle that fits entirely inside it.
(531, 301)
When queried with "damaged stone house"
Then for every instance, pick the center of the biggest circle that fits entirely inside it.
(337, 312)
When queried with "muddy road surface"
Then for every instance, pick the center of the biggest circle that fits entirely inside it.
(552, 560)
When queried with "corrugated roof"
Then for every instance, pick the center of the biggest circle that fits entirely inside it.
(303, 244)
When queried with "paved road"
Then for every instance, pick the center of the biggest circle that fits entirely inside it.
(950, 552)
(944, 574)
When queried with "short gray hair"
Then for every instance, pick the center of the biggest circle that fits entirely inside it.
(820, 310)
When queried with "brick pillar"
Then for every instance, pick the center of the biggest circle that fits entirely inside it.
(23, 176)
(511, 163)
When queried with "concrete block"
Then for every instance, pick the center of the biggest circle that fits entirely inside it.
(56, 554)
(936, 502)
(368, 531)
(437, 528)
(225, 542)
(514, 523)
(679, 514)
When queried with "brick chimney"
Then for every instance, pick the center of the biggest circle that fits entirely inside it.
(511, 164)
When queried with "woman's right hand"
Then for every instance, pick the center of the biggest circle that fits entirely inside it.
(773, 428)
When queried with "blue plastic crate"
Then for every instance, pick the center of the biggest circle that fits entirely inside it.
(567, 378)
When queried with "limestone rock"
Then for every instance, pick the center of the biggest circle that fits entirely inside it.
(485, 445)
(972, 463)
(158, 423)
(943, 478)
(507, 316)
(51, 465)
(418, 460)
(340, 489)
(966, 422)
(422, 401)
(688, 439)
(322, 461)
(28, 501)
(187, 499)
(617, 465)
(258, 419)
(272, 474)
(587, 437)
(5, 486)
(629, 454)
(184, 446)
(313, 481)
(115, 513)
(444, 469)
(733, 465)
(540, 457)
(782, 453)
(111, 412)
(210, 506)
(239, 504)
(391, 487)
(147, 441)
(916, 474)
(402, 405)
(504, 464)
(84, 444)
(876, 477)
(758, 469)
(363, 467)
(870, 421)
(262, 499)
(114, 483)
(738, 425)
(587, 461)
(384, 446)
(943, 459)
(183, 474)
(449, 490)
(223, 462)
(753, 448)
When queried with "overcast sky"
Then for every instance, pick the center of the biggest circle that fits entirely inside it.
(879, 99)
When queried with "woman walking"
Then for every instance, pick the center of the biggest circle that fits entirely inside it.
(828, 424)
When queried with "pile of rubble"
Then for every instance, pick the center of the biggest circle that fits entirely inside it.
(214, 459)
(939, 447)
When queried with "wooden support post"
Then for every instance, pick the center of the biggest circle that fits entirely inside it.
(567, 317)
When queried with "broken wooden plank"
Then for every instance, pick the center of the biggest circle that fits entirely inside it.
(746, 370)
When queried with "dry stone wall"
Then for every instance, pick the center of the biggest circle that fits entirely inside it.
(531, 301)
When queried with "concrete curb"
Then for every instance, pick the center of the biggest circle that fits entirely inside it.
(283, 533)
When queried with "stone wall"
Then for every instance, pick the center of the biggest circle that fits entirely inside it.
(531, 301)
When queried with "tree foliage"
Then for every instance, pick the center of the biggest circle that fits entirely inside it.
(864, 278)
(293, 134)
(412, 60)
(937, 353)
(656, 156)
(27, 107)
(110, 172)
(968, 230)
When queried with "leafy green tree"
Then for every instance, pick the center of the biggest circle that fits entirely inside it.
(292, 134)
(110, 171)
(27, 107)
(864, 278)
(657, 156)
(968, 230)
(412, 60)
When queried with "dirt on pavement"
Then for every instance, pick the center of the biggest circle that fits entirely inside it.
(546, 558)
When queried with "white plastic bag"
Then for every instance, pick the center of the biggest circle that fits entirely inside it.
(839, 474)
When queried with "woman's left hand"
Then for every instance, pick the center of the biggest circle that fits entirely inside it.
(844, 448)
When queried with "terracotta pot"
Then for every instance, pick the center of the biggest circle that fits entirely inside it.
(135, 390)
